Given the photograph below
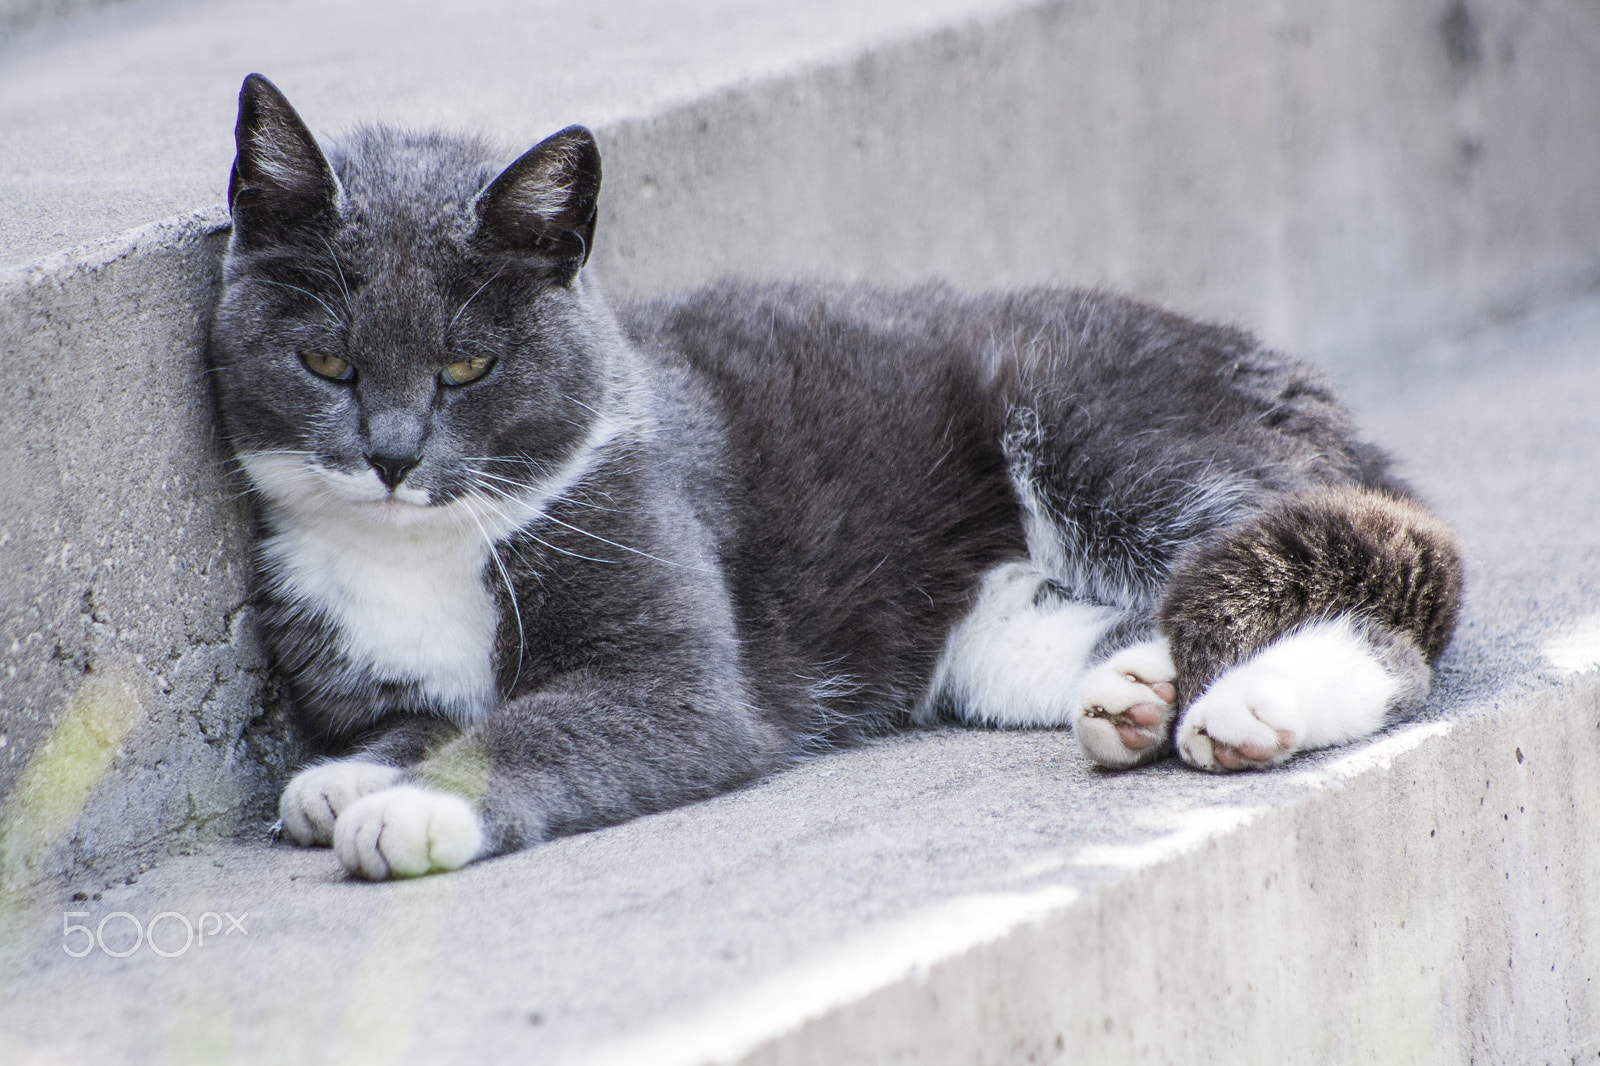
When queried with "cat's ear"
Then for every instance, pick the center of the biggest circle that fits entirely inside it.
(543, 205)
(281, 180)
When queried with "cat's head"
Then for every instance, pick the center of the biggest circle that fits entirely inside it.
(404, 332)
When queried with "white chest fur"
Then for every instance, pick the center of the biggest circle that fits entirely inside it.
(411, 604)
(402, 583)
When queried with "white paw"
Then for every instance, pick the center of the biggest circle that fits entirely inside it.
(1242, 722)
(1318, 686)
(312, 802)
(406, 832)
(1123, 713)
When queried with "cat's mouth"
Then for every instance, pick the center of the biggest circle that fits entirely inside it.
(399, 505)
(301, 482)
(395, 504)
(367, 491)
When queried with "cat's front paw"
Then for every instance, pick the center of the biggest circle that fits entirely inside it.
(406, 832)
(1123, 713)
(1241, 723)
(311, 804)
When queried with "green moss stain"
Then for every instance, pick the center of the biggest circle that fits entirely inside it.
(63, 772)
(460, 766)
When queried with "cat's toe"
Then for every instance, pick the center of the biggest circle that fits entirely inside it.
(1238, 729)
(1125, 707)
(406, 832)
(314, 798)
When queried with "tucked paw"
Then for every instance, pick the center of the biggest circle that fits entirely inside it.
(1125, 706)
(1240, 724)
(406, 832)
(316, 796)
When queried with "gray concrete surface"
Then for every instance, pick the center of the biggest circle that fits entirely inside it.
(1283, 163)
(985, 896)
(18, 17)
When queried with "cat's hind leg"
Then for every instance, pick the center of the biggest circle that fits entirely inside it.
(1314, 624)
(1018, 655)
(1325, 684)
(1021, 657)
(1125, 705)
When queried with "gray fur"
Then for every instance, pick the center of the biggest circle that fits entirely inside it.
(795, 491)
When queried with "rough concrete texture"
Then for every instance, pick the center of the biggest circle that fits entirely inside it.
(130, 673)
(983, 896)
(1333, 174)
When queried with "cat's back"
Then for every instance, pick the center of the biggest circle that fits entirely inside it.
(862, 435)
(827, 393)
(784, 342)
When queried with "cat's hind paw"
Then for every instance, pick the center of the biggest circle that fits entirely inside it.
(406, 832)
(1240, 723)
(314, 798)
(1323, 684)
(1123, 714)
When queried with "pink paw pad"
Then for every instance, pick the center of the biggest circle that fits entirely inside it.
(1127, 707)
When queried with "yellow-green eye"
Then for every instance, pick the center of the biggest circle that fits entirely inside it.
(468, 370)
(328, 366)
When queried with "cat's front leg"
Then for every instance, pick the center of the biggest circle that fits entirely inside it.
(430, 817)
(407, 831)
(578, 754)
(317, 796)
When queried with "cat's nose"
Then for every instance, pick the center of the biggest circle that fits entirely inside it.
(393, 468)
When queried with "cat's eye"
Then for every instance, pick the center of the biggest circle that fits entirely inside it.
(328, 366)
(467, 371)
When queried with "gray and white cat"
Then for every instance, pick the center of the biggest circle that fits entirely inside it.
(545, 564)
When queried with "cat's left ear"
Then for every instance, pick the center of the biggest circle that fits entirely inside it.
(543, 205)
(281, 181)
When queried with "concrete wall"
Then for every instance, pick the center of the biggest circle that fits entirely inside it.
(131, 673)
(1344, 177)
(1485, 905)
(1338, 176)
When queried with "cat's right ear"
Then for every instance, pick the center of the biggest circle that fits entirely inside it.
(281, 181)
(542, 207)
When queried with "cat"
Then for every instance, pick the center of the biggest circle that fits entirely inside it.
(544, 563)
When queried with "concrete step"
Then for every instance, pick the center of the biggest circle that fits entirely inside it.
(981, 895)
(1286, 163)
(113, 122)
(18, 17)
